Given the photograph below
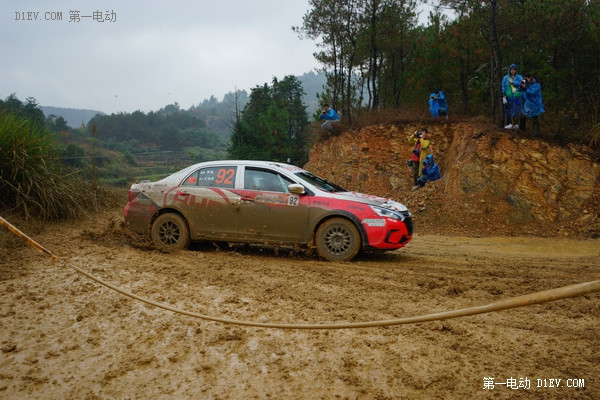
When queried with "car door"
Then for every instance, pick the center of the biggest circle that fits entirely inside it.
(268, 212)
(208, 204)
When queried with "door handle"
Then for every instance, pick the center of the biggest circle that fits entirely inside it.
(246, 198)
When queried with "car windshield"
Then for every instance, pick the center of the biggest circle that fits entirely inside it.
(319, 182)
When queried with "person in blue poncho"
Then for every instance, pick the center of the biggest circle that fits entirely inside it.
(330, 116)
(512, 97)
(533, 107)
(437, 104)
(431, 172)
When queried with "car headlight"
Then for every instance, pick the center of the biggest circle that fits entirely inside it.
(386, 212)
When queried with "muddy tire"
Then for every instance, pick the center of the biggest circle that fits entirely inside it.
(170, 232)
(338, 239)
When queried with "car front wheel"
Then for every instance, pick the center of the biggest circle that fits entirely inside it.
(170, 232)
(338, 240)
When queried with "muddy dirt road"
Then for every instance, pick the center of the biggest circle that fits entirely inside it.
(64, 337)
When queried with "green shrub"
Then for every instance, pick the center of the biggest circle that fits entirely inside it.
(31, 180)
(129, 159)
(73, 155)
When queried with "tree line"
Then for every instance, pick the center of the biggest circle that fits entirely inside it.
(377, 55)
(273, 125)
(169, 128)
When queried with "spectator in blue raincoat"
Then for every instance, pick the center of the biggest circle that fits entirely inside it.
(330, 116)
(533, 107)
(437, 104)
(442, 102)
(431, 172)
(512, 97)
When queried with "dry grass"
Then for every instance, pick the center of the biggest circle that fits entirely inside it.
(33, 183)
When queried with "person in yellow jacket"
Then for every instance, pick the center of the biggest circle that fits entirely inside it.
(420, 143)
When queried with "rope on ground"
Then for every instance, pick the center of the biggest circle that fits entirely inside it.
(514, 302)
(26, 238)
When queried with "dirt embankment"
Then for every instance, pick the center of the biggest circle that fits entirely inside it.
(493, 182)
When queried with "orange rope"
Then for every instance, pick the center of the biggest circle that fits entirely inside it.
(26, 238)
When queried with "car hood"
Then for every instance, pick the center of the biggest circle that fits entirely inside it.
(369, 199)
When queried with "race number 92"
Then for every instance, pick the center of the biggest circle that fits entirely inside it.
(225, 176)
(293, 201)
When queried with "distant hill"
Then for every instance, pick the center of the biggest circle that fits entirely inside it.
(74, 117)
(312, 84)
(212, 112)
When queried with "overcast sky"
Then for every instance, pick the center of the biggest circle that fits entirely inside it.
(147, 54)
(154, 54)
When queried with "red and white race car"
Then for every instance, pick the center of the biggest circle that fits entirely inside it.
(264, 202)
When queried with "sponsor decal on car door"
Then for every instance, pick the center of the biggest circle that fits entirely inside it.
(208, 204)
(267, 212)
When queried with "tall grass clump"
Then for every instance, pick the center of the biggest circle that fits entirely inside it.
(32, 181)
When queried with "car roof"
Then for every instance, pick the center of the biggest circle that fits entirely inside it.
(181, 174)
(252, 163)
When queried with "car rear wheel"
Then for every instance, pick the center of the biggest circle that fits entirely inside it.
(338, 239)
(170, 232)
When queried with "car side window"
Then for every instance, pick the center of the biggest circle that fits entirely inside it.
(259, 179)
(191, 180)
(223, 177)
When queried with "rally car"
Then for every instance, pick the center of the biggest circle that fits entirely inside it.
(264, 202)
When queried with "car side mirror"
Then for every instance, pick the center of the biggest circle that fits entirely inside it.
(296, 188)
